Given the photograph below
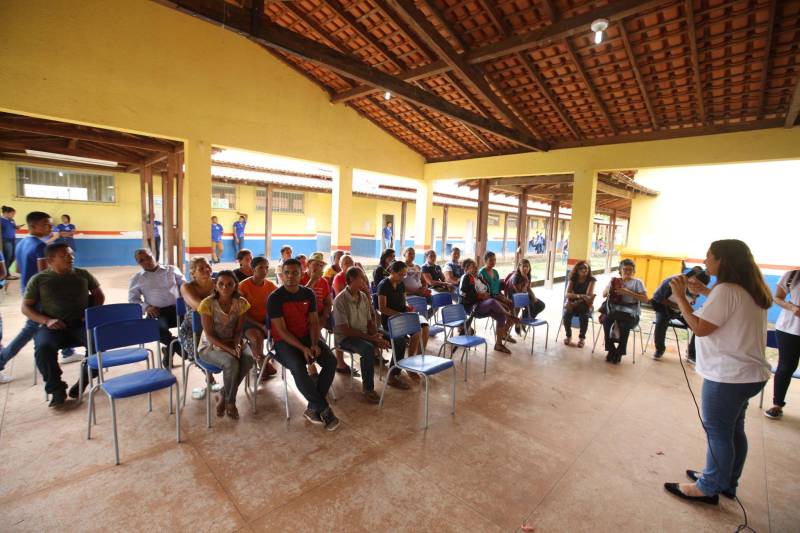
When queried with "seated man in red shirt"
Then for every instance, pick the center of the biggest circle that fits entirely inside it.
(292, 310)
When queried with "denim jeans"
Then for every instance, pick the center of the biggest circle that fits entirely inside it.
(366, 350)
(788, 356)
(663, 315)
(724, 406)
(24, 336)
(9, 247)
(48, 342)
(293, 359)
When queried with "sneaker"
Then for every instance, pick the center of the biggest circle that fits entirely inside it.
(5, 379)
(198, 393)
(216, 387)
(58, 400)
(657, 355)
(71, 358)
(775, 413)
(12, 277)
(330, 420)
(371, 397)
(313, 416)
(397, 383)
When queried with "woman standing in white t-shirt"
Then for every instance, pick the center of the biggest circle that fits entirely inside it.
(787, 332)
(731, 331)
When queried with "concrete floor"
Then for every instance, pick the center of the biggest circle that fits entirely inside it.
(560, 441)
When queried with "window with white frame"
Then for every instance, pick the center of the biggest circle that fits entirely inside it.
(60, 184)
(282, 201)
(223, 196)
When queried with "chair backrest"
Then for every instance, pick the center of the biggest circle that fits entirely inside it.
(441, 299)
(105, 314)
(772, 339)
(197, 323)
(375, 300)
(453, 313)
(521, 299)
(403, 324)
(180, 307)
(419, 303)
(125, 333)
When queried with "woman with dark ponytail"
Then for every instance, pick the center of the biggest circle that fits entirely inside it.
(731, 332)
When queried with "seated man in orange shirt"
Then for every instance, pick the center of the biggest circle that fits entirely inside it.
(256, 289)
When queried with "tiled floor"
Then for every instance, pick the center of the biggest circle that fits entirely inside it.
(560, 441)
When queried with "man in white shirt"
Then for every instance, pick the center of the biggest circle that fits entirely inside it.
(156, 288)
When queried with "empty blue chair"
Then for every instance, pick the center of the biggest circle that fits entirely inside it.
(522, 301)
(406, 324)
(207, 368)
(115, 335)
(106, 314)
(454, 316)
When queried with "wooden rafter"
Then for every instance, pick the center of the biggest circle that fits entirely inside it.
(412, 75)
(378, 101)
(692, 36)
(434, 40)
(237, 19)
(636, 73)
(562, 29)
(433, 123)
(551, 98)
(589, 86)
(766, 60)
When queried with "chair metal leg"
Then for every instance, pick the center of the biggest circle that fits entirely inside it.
(426, 396)
(208, 400)
(114, 425)
(558, 331)
(285, 390)
(170, 400)
(649, 334)
(547, 335)
(177, 410)
(388, 373)
(185, 372)
(149, 402)
(761, 398)
(352, 366)
(89, 415)
(465, 356)
(454, 390)
(36, 375)
(485, 356)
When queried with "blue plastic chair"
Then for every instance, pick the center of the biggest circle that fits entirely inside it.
(772, 342)
(207, 368)
(406, 324)
(180, 314)
(454, 316)
(522, 301)
(109, 337)
(100, 315)
(439, 300)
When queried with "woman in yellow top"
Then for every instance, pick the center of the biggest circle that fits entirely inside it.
(223, 315)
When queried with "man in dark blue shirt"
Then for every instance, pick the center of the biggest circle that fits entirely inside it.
(216, 240)
(388, 236)
(30, 260)
(666, 308)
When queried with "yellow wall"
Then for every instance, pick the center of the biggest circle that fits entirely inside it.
(122, 215)
(697, 205)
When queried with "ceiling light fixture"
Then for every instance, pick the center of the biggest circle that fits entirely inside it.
(387, 95)
(598, 27)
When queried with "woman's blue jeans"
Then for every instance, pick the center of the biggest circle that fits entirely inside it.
(724, 407)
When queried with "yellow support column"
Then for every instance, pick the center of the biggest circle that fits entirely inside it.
(197, 158)
(584, 195)
(341, 209)
(423, 219)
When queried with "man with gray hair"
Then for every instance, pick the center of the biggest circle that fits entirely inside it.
(156, 288)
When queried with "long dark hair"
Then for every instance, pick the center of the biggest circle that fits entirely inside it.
(385, 255)
(519, 268)
(737, 266)
(228, 274)
(573, 277)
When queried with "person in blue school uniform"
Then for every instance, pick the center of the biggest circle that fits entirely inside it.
(238, 233)
(9, 238)
(65, 232)
(216, 240)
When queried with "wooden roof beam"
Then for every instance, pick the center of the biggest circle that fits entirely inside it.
(589, 86)
(438, 128)
(613, 190)
(636, 73)
(407, 10)
(532, 180)
(411, 75)
(692, 35)
(71, 132)
(60, 164)
(236, 19)
(383, 106)
(559, 30)
(794, 107)
(765, 62)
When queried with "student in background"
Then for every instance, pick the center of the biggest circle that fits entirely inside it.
(238, 232)
(216, 240)
(9, 238)
(334, 268)
(787, 331)
(286, 254)
(245, 259)
(155, 241)
(65, 232)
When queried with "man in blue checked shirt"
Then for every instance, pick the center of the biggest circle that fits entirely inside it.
(238, 233)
